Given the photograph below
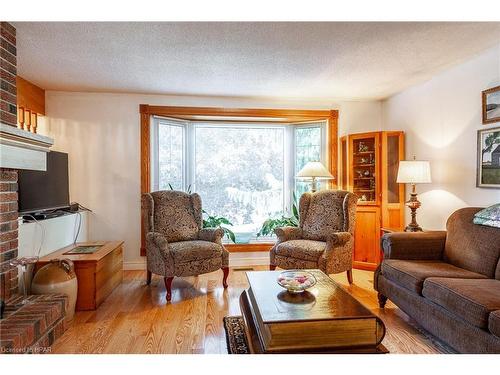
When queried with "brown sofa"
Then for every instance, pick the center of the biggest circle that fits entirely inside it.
(448, 281)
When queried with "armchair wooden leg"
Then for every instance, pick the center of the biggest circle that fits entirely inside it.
(272, 267)
(225, 270)
(148, 277)
(349, 276)
(381, 300)
(168, 285)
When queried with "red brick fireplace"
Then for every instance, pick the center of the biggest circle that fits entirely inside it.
(8, 177)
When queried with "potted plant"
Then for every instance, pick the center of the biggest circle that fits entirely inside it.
(217, 222)
(282, 221)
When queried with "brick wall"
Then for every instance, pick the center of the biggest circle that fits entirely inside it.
(8, 232)
(8, 178)
(8, 71)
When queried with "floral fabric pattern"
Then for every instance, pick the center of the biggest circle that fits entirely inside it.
(325, 237)
(176, 245)
(175, 216)
(301, 249)
(189, 251)
(324, 215)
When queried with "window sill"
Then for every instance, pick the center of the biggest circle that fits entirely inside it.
(248, 247)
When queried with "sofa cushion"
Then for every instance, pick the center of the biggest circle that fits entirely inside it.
(470, 246)
(301, 249)
(189, 251)
(472, 300)
(494, 323)
(411, 273)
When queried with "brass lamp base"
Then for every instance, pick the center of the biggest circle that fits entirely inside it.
(413, 204)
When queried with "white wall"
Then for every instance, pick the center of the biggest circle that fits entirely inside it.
(441, 118)
(101, 134)
(47, 236)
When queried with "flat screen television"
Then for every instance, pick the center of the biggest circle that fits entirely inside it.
(45, 190)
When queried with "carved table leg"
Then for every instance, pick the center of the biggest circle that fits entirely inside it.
(168, 285)
(148, 277)
(225, 270)
(381, 300)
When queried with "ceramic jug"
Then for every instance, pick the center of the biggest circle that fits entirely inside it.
(57, 277)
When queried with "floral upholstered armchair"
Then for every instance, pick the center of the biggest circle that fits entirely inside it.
(324, 238)
(176, 244)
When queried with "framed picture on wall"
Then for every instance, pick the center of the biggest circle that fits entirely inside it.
(488, 158)
(491, 105)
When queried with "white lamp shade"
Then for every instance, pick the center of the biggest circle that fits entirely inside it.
(414, 172)
(314, 169)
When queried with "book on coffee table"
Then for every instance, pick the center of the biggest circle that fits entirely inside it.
(324, 318)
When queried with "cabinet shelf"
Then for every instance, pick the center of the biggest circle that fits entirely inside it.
(363, 165)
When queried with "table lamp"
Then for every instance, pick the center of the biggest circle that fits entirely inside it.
(413, 172)
(314, 170)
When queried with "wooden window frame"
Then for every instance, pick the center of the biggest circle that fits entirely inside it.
(257, 115)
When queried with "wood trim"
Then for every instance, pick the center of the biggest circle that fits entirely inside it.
(268, 115)
(484, 94)
(251, 247)
(284, 114)
(145, 168)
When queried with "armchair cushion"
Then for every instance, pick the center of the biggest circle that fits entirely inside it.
(301, 249)
(412, 273)
(189, 251)
(324, 214)
(471, 299)
(414, 245)
(176, 215)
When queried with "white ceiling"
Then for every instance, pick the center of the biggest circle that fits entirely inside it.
(287, 60)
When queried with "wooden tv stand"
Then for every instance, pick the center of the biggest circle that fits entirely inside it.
(98, 274)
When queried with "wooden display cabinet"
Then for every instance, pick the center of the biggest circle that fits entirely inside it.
(368, 167)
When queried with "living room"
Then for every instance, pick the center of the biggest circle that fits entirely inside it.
(250, 187)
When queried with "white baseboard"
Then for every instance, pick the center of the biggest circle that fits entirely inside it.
(135, 265)
(235, 260)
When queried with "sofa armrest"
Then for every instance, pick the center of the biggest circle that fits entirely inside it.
(288, 233)
(414, 245)
(211, 235)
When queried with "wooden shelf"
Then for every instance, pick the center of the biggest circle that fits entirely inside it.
(363, 153)
(363, 165)
(364, 178)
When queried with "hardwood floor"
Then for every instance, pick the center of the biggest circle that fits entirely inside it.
(135, 318)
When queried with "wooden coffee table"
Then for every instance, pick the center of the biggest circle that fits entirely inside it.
(323, 319)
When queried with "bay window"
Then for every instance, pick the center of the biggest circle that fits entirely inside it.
(242, 171)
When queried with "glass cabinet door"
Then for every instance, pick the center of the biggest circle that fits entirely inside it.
(364, 160)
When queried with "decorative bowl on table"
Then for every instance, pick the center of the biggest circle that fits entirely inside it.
(296, 281)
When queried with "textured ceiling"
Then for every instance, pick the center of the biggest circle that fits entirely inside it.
(288, 60)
